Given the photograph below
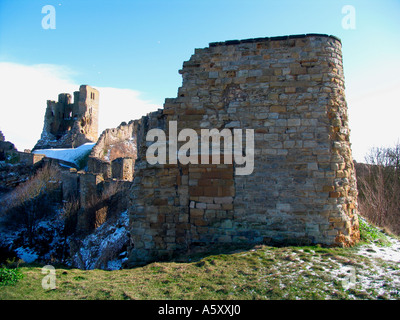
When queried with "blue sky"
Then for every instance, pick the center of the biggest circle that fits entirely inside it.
(140, 45)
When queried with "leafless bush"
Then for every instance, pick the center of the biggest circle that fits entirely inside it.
(32, 200)
(379, 188)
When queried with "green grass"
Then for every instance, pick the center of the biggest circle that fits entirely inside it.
(9, 276)
(370, 233)
(261, 272)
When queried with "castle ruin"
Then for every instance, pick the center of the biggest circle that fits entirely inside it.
(289, 91)
(69, 125)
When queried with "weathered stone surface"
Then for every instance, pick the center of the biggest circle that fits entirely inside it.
(69, 125)
(290, 91)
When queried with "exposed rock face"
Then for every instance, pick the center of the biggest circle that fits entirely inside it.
(69, 125)
(290, 92)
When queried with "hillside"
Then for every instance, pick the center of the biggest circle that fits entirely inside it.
(368, 271)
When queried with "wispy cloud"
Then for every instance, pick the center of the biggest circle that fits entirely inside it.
(117, 105)
(25, 89)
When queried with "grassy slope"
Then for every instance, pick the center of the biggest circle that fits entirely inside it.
(260, 273)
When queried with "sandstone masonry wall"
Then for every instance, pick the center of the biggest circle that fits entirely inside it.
(111, 139)
(115, 152)
(290, 90)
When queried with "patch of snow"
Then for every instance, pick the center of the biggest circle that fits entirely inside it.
(102, 249)
(373, 275)
(26, 254)
(65, 166)
(115, 264)
(388, 253)
(69, 155)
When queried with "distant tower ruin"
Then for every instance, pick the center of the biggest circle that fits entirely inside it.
(69, 125)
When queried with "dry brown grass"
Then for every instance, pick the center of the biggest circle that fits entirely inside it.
(379, 188)
(32, 200)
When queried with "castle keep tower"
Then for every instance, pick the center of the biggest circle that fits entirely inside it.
(290, 91)
(69, 125)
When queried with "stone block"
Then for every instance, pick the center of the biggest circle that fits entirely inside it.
(312, 166)
(294, 122)
(334, 194)
(223, 200)
(283, 207)
(210, 191)
(255, 73)
(290, 90)
(213, 74)
(201, 205)
(277, 109)
(196, 213)
(213, 206)
(206, 199)
(196, 191)
(328, 188)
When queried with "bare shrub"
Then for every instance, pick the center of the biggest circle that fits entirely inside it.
(379, 188)
(32, 200)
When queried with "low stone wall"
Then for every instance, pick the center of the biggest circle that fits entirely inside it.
(122, 169)
(30, 158)
(96, 165)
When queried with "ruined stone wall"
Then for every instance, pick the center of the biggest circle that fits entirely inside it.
(70, 184)
(115, 152)
(30, 158)
(69, 125)
(96, 165)
(122, 169)
(290, 91)
(89, 187)
(110, 144)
